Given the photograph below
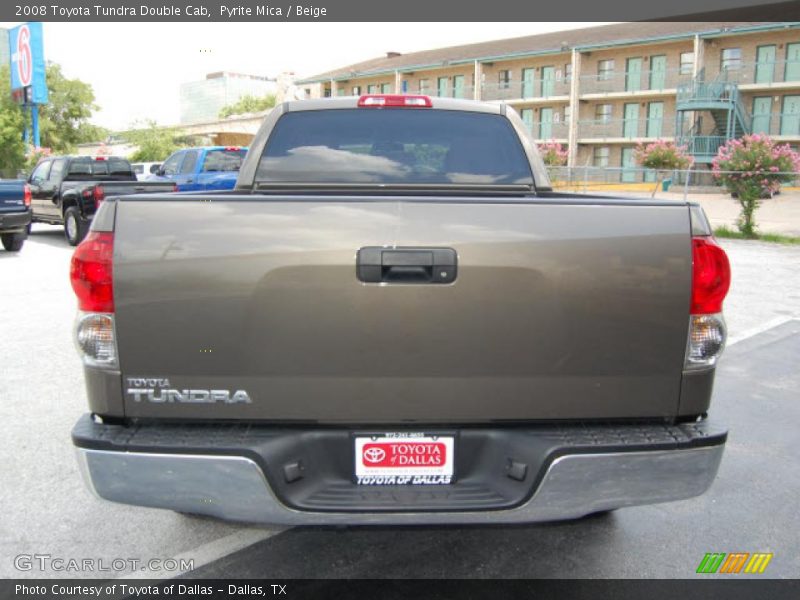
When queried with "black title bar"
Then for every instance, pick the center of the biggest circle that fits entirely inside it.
(396, 10)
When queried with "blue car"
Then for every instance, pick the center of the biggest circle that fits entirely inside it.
(206, 168)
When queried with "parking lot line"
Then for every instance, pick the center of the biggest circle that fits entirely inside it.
(766, 326)
(210, 552)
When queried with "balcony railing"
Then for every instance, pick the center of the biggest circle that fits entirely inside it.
(764, 72)
(466, 91)
(703, 147)
(548, 130)
(633, 81)
(627, 128)
(526, 89)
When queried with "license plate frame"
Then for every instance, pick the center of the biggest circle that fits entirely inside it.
(418, 452)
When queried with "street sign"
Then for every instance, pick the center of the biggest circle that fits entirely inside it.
(27, 62)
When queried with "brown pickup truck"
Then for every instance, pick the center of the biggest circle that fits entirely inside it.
(394, 319)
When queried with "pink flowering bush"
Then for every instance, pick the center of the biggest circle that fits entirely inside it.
(662, 156)
(553, 154)
(34, 154)
(752, 168)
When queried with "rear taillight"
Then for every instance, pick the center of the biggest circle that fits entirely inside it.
(711, 276)
(174, 187)
(91, 275)
(95, 339)
(91, 272)
(99, 194)
(26, 195)
(394, 101)
(711, 279)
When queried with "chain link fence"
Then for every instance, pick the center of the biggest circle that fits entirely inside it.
(638, 181)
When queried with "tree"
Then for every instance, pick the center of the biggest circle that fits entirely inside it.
(662, 156)
(248, 104)
(155, 143)
(63, 122)
(12, 124)
(752, 168)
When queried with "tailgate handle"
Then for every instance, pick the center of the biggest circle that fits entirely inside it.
(406, 265)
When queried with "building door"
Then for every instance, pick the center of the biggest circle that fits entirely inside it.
(633, 74)
(765, 64)
(458, 86)
(527, 118)
(630, 121)
(790, 115)
(441, 89)
(546, 123)
(658, 72)
(761, 114)
(628, 166)
(655, 119)
(527, 83)
(548, 81)
(792, 72)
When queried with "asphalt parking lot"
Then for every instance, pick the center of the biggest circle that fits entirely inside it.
(750, 508)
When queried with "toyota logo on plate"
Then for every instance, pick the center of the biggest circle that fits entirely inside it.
(374, 455)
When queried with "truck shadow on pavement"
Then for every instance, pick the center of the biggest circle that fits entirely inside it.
(52, 236)
(749, 508)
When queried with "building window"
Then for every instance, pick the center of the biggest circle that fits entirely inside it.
(687, 63)
(731, 59)
(327, 93)
(372, 88)
(602, 113)
(568, 72)
(386, 88)
(356, 90)
(504, 79)
(424, 86)
(601, 154)
(567, 114)
(605, 69)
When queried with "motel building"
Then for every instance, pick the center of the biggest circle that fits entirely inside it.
(602, 90)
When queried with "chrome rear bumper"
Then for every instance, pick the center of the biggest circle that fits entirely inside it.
(235, 487)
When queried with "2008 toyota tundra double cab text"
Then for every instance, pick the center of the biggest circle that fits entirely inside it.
(394, 319)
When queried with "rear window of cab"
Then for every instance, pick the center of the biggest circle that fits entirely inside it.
(411, 146)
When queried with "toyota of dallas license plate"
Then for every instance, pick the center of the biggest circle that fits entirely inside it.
(404, 459)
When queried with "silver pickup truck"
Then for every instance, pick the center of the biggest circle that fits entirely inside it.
(393, 319)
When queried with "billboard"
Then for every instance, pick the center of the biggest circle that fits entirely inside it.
(27, 62)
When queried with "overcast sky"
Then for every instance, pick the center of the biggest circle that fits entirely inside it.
(136, 68)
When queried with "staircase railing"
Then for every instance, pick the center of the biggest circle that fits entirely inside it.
(705, 147)
(717, 94)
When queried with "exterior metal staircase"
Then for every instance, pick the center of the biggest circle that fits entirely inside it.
(722, 99)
